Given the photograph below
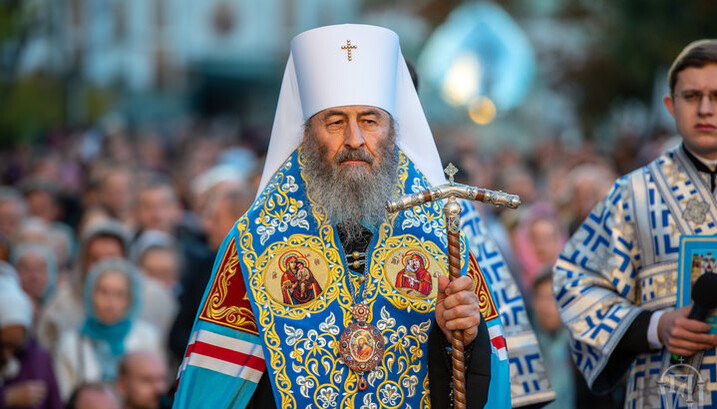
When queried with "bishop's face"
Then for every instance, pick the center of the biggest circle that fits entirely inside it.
(350, 164)
(351, 137)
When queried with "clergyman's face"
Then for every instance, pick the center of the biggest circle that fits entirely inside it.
(356, 128)
(695, 116)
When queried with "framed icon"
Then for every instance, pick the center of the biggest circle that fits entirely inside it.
(698, 255)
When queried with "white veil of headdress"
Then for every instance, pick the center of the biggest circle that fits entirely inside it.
(319, 75)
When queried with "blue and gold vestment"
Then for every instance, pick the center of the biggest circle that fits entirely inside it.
(285, 241)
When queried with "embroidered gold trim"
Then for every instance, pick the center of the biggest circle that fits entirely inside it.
(231, 311)
(480, 286)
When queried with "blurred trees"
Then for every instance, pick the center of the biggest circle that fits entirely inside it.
(635, 40)
(629, 41)
(28, 104)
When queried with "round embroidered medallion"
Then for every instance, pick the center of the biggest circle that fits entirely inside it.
(297, 276)
(413, 272)
(361, 346)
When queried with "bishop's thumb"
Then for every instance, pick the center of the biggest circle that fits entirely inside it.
(443, 282)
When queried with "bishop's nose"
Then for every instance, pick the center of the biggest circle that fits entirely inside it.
(353, 135)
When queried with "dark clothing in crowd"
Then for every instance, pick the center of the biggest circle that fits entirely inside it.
(35, 365)
(199, 261)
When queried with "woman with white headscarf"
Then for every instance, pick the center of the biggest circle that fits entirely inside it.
(37, 271)
(26, 375)
(111, 329)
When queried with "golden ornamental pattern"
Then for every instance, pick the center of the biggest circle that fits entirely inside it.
(486, 304)
(231, 309)
(383, 287)
(315, 351)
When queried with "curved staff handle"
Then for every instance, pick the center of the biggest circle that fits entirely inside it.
(496, 198)
(452, 213)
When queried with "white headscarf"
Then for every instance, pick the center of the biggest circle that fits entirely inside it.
(15, 306)
(319, 75)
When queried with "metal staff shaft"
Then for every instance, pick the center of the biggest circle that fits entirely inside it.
(493, 197)
(452, 211)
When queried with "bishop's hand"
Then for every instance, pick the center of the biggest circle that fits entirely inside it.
(457, 308)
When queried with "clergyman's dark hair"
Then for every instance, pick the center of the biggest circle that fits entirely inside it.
(697, 54)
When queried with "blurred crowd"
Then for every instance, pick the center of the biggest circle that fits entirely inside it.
(108, 236)
(111, 234)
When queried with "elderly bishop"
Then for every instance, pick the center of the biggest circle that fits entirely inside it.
(305, 306)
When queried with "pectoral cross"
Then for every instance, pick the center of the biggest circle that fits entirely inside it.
(348, 47)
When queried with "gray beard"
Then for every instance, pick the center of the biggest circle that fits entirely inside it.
(352, 194)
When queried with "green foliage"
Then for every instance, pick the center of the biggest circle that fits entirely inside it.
(30, 105)
(638, 38)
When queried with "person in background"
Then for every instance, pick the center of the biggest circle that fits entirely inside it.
(223, 207)
(159, 262)
(64, 311)
(584, 187)
(34, 230)
(616, 280)
(37, 272)
(538, 239)
(142, 381)
(62, 240)
(112, 300)
(27, 379)
(93, 395)
(157, 206)
(43, 200)
(554, 341)
(115, 191)
(157, 256)
(13, 210)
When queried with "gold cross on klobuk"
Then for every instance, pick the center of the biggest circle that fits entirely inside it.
(348, 47)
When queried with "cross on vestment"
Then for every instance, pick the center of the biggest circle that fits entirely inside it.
(348, 47)
(664, 285)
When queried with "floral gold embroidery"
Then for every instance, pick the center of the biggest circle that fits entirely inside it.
(480, 286)
(227, 303)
